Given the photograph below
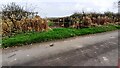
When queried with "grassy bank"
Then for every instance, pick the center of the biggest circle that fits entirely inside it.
(57, 33)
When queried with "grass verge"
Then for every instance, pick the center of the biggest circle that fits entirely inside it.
(57, 33)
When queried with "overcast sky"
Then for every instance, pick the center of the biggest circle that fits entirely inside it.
(58, 8)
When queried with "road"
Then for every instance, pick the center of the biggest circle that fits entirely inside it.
(90, 50)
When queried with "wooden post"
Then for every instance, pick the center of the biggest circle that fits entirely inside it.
(58, 22)
(63, 21)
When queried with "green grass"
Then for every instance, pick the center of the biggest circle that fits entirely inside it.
(57, 33)
(50, 23)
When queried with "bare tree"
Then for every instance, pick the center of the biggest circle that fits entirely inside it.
(14, 12)
(118, 6)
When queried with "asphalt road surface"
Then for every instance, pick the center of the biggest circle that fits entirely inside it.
(90, 50)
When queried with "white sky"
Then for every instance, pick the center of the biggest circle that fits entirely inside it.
(55, 8)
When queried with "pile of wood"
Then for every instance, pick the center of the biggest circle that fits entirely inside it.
(36, 24)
